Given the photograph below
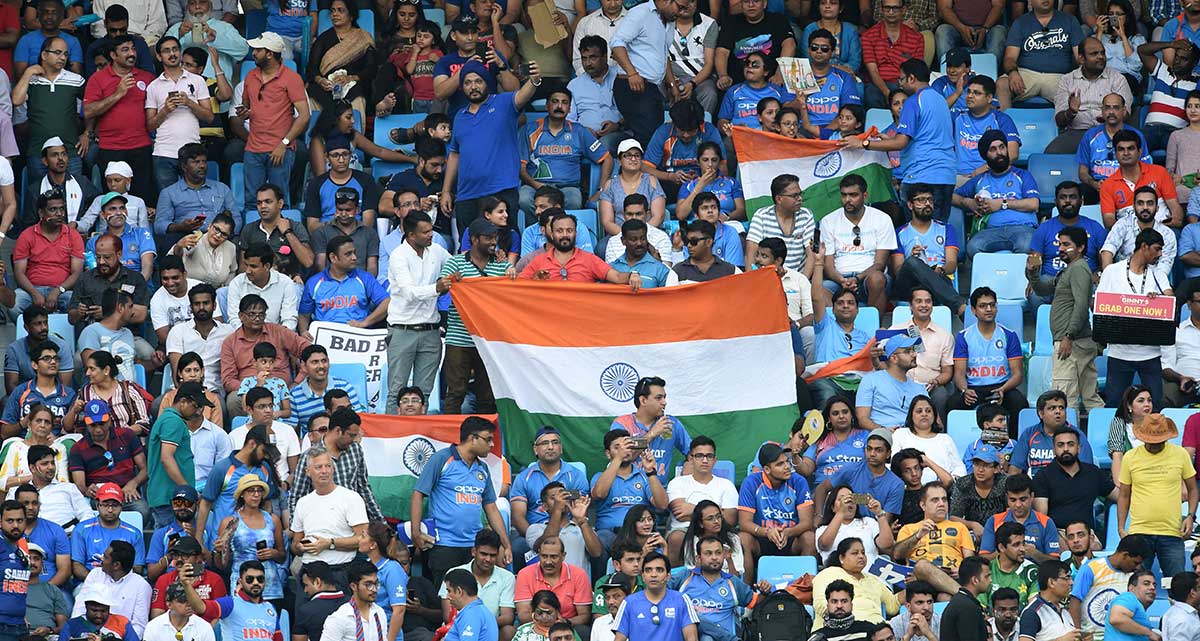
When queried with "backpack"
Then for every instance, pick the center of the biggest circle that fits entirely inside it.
(778, 616)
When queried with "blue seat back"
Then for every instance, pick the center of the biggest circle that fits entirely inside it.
(1036, 128)
(1099, 420)
(941, 316)
(1004, 273)
(1050, 169)
(353, 373)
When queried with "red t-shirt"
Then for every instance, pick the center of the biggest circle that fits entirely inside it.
(582, 267)
(210, 586)
(123, 126)
(573, 591)
(1191, 436)
(9, 19)
(888, 55)
(271, 107)
(49, 260)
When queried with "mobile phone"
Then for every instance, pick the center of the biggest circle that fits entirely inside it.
(307, 540)
(197, 33)
(816, 246)
(526, 71)
(638, 443)
(260, 545)
(481, 50)
(860, 498)
(200, 216)
(574, 495)
(994, 437)
(174, 536)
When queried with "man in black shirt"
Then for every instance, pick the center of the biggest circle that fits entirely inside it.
(425, 179)
(1066, 488)
(964, 618)
(980, 495)
(753, 30)
(839, 616)
(324, 598)
(907, 465)
(422, 613)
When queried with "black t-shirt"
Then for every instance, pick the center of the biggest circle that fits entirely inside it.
(963, 619)
(408, 179)
(741, 38)
(910, 508)
(421, 590)
(1071, 498)
(857, 630)
(310, 616)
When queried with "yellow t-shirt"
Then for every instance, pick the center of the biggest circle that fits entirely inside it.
(1154, 492)
(869, 593)
(946, 546)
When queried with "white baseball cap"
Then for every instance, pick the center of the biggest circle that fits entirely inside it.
(53, 142)
(269, 40)
(627, 144)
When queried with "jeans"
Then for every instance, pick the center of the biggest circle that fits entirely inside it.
(914, 271)
(572, 198)
(1120, 377)
(873, 98)
(25, 301)
(942, 195)
(162, 516)
(411, 353)
(1065, 143)
(422, 106)
(166, 171)
(1013, 402)
(258, 169)
(9, 632)
(1013, 238)
(460, 364)
(948, 37)
(1169, 552)
(1157, 135)
(642, 112)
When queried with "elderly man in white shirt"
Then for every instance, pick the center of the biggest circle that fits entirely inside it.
(129, 592)
(414, 339)
(179, 622)
(1181, 361)
(280, 292)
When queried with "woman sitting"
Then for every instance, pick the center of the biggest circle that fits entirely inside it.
(191, 370)
(127, 400)
(342, 60)
(871, 595)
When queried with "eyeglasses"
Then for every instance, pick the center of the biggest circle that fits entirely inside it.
(704, 457)
(793, 196)
(339, 154)
(757, 64)
(820, 48)
(255, 315)
(218, 232)
(489, 438)
(654, 615)
(254, 490)
(922, 199)
(49, 358)
(56, 52)
(893, 8)
(254, 579)
(857, 235)
(712, 518)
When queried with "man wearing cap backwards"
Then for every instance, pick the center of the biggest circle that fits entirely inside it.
(14, 562)
(127, 591)
(870, 476)
(183, 506)
(91, 538)
(270, 92)
(884, 395)
(46, 607)
(462, 362)
(1149, 491)
(187, 557)
(169, 452)
(118, 175)
(47, 258)
(775, 510)
(484, 150)
(50, 536)
(137, 243)
(1007, 195)
(447, 72)
(326, 189)
(345, 221)
(178, 619)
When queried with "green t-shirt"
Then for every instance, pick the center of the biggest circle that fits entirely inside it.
(169, 428)
(1024, 580)
(456, 332)
(598, 606)
(47, 104)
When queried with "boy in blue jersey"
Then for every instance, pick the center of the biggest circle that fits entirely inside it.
(474, 622)
(91, 538)
(835, 87)
(555, 153)
(978, 117)
(621, 485)
(1095, 153)
(988, 362)
(716, 595)
(650, 421)
(775, 510)
(953, 85)
(1004, 197)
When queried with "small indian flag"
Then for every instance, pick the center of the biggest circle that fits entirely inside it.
(396, 449)
(570, 355)
(819, 164)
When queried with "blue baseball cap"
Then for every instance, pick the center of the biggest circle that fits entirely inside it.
(185, 492)
(543, 431)
(96, 411)
(899, 342)
(986, 453)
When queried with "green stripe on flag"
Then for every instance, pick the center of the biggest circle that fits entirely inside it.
(393, 493)
(824, 197)
(737, 434)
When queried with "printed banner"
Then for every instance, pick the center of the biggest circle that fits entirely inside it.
(1135, 306)
(893, 574)
(356, 345)
(1133, 319)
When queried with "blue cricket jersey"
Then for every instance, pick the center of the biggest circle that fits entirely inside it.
(1096, 152)
(527, 487)
(835, 90)
(661, 446)
(1045, 242)
(830, 455)
(1012, 184)
(987, 358)
(968, 130)
(625, 493)
(774, 506)
(716, 603)
(935, 240)
(457, 493)
(740, 105)
(90, 539)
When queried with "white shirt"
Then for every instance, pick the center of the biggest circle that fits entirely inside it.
(168, 311)
(941, 449)
(837, 234)
(594, 24)
(148, 20)
(717, 490)
(1121, 238)
(285, 439)
(62, 503)
(657, 238)
(1180, 623)
(602, 628)
(182, 126)
(281, 294)
(863, 529)
(184, 338)
(1184, 355)
(798, 290)
(160, 628)
(412, 283)
(332, 516)
(340, 625)
(131, 593)
(1115, 279)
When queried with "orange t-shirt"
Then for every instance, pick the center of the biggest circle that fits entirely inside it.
(1116, 193)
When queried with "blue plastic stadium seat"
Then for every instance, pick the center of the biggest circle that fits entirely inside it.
(383, 169)
(237, 185)
(385, 125)
(579, 466)
(867, 321)
(879, 118)
(1180, 415)
(1043, 341)
(1036, 127)
(1004, 273)
(366, 21)
(1087, 211)
(436, 16)
(60, 327)
(1049, 170)
(1038, 379)
(238, 421)
(139, 373)
(781, 570)
(984, 64)
(587, 218)
(941, 316)
(1098, 423)
(962, 428)
(1007, 314)
(132, 518)
(214, 171)
(353, 373)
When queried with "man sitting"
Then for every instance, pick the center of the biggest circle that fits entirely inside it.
(1006, 195)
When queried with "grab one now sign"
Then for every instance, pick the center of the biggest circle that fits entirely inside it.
(1135, 306)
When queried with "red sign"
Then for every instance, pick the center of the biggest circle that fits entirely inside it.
(1161, 308)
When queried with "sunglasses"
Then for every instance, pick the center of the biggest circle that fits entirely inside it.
(820, 48)
(857, 235)
(182, 503)
(696, 240)
(255, 579)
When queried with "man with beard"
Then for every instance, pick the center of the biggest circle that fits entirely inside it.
(484, 149)
(1066, 489)
(1078, 537)
(244, 616)
(14, 561)
(217, 500)
(176, 87)
(79, 192)
(885, 394)
(715, 594)
(347, 221)
(557, 153)
(926, 253)
(202, 334)
(20, 362)
(93, 616)
(840, 624)
(61, 501)
(1119, 244)
(115, 99)
(183, 507)
(1099, 581)
(415, 284)
(56, 567)
(187, 557)
(1132, 173)
(425, 180)
(109, 274)
(964, 619)
(567, 262)
(1006, 608)
(701, 265)
(979, 116)
(271, 92)
(47, 258)
(1067, 200)
(1073, 369)
(1006, 195)
(858, 239)
(1035, 446)
(275, 230)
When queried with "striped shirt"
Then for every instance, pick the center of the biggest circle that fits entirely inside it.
(878, 48)
(456, 332)
(1169, 94)
(765, 224)
(306, 402)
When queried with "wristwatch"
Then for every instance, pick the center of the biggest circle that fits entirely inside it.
(866, 143)
(62, 290)
(285, 141)
(1004, 203)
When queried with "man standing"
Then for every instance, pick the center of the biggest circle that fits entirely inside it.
(202, 334)
(130, 593)
(988, 362)
(1007, 196)
(1066, 489)
(1045, 248)
(266, 110)
(349, 464)
(177, 101)
(115, 100)
(415, 283)
(1119, 244)
(217, 501)
(1181, 620)
(936, 539)
(1181, 367)
(327, 517)
(1078, 96)
(1118, 190)
(459, 485)
(663, 433)
(1147, 471)
(1125, 360)
(359, 619)
(1039, 50)
(1045, 618)
(259, 279)
(859, 238)
(48, 258)
(639, 45)
(674, 613)
(964, 619)
(884, 395)
(14, 555)
(169, 453)
(1099, 581)
(51, 91)
(474, 622)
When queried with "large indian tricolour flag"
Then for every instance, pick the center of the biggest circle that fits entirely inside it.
(819, 164)
(570, 355)
(397, 448)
